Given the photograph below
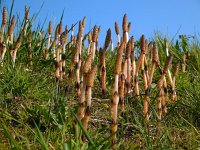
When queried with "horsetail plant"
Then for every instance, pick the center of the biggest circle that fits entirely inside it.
(176, 68)
(133, 65)
(3, 24)
(86, 67)
(63, 41)
(78, 58)
(58, 62)
(26, 20)
(139, 62)
(16, 48)
(121, 91)
(117, 30)
(94, 41)
(103, 70)
(147, 91)
(115, 95)
(169, 76)
(3, 51)
(83, 66)
(184, 62)
(49, 40)
(125, 29)
(89, 85)
(160, 87)
(128, 58)
(10, 31)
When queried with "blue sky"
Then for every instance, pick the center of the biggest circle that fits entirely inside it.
(146, 16)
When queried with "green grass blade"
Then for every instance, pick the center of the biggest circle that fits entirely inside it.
(11, 139)
(84, 131)
(41, 138)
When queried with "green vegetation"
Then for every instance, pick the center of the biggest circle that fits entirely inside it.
(38, 109)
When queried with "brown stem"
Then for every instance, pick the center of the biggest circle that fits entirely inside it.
(121, 92)
(165, 91)
(114, 107)
(88, 109)
(82, 99)
(128, 79)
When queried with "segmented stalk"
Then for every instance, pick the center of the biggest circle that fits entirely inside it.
(114, 107)
(3, 24)
(115, 96)
(89, 85)
(139, 62)
(10, 31)
(174, 97)
(133, 61)
(128, 67)
(3, 51)
(16, 48)
(85, 69)
(58, 63)
(184, 62)
(26, 20)
(117, 30)
(160, 87)
(149, 82)
(125, 29)
(121, 92)
(64, 43)
(94, 40)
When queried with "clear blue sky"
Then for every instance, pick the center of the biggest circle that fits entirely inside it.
(146, 16)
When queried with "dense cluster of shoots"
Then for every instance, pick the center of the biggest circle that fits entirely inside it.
(161, 100)
(102, 66)
(127, 68)
(149, 81)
